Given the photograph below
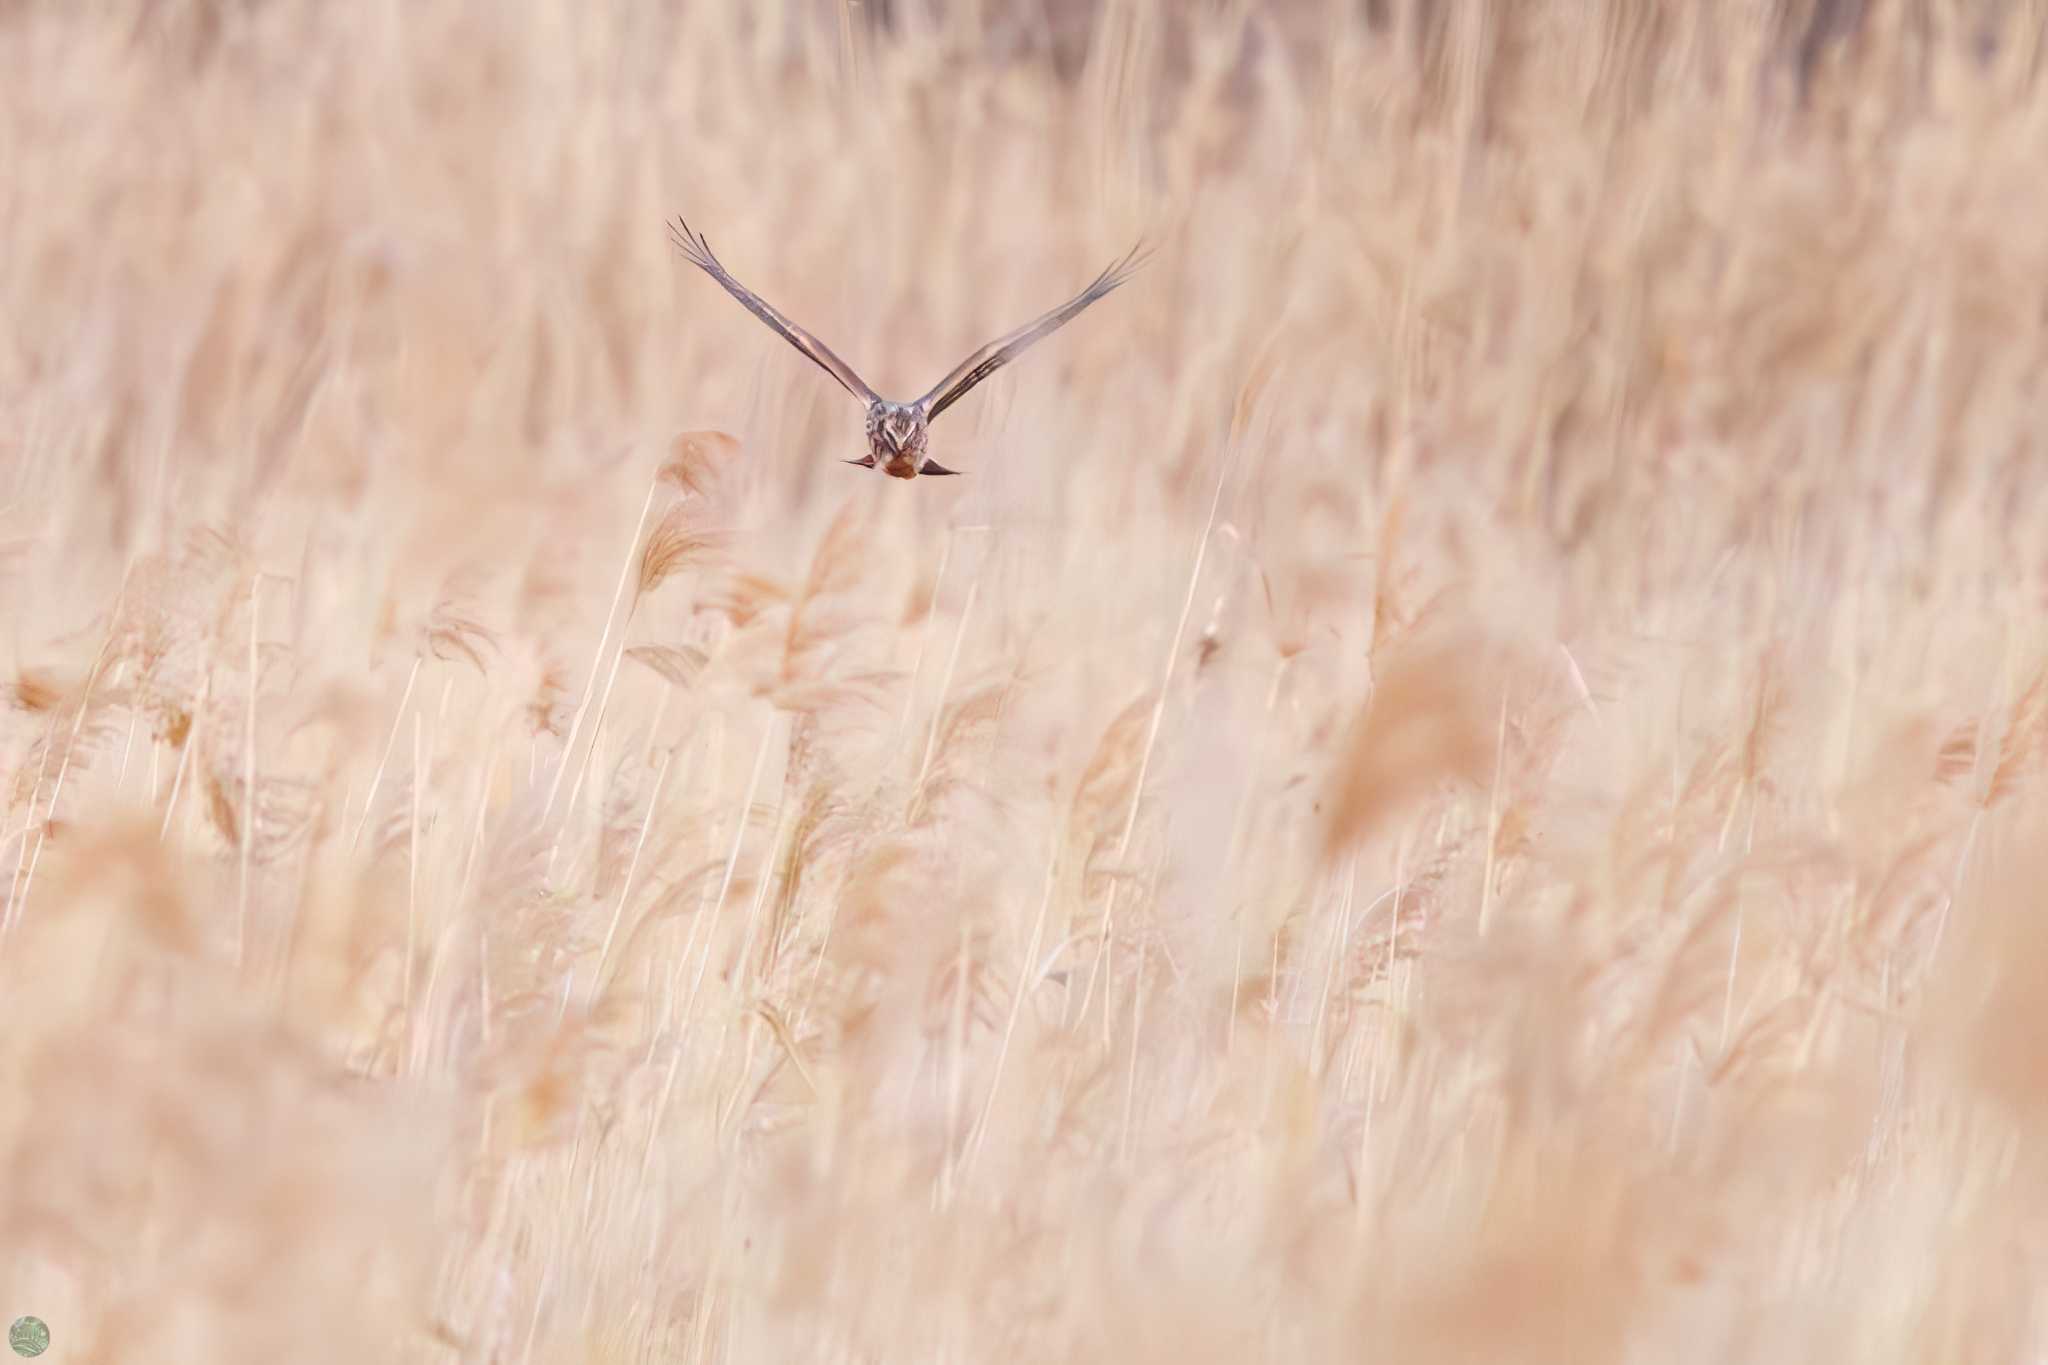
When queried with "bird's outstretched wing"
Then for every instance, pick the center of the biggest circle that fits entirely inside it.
(694, 246)
(1003, 350)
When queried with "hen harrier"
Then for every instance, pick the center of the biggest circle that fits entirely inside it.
(896, 431)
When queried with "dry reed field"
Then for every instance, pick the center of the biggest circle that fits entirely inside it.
(1460, 779)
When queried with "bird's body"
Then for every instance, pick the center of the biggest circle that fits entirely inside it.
(899, 433)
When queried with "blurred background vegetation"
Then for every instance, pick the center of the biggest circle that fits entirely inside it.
(1459, 779)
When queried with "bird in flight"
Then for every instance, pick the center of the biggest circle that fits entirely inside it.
(897, 431)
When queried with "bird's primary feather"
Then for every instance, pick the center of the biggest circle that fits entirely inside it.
(1005, 349)
(698, 250)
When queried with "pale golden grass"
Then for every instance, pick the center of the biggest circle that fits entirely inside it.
(1461, 778)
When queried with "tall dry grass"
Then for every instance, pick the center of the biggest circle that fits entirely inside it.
(1459, 780)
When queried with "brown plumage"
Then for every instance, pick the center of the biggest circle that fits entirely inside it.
(898, 432)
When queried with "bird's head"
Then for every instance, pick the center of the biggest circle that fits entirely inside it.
(896, 437)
